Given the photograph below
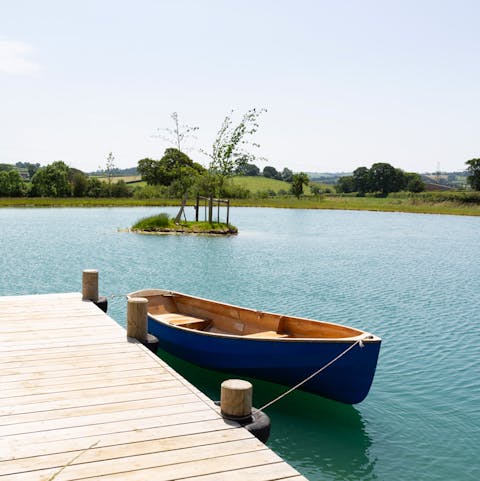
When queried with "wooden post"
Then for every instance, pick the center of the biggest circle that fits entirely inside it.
(228, 210)
(90, 285)
(137, 311)
(210, 209)
(197, 207)
(236, 398)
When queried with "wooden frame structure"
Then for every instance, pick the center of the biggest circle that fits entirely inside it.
(208, 208)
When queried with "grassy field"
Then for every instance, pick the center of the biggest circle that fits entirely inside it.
(125, 178)
(390, 204)
(259, 184)
(263, 184)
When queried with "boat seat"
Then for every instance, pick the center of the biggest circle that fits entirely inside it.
(184, 321)
(274, 334)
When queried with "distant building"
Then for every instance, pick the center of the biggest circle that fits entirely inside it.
(23, 173)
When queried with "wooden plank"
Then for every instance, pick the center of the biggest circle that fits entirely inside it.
(169, 460)
(92, 397)
(65, 352)
(112, 379)
(126, 449)
(102, 415)
(94, 394)
(207, 466)
(265, 472)
(39, 335)
(179, 396)
(172, 415)
(66, 342)
(114, 439)
(109, 360)
(49, 322)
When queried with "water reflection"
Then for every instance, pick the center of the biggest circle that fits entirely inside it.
(335, 431)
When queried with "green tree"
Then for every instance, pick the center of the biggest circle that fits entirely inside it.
(147, 168)
(474, 173)
(79, 184)
(298, 181)
(207, 184)
(361, 179)
(414, 182)
(383, 178)
(5, 167)
(12, 184)
(229, 149)
(345, 185)
(52, 181)
(246, 169)
(94, 187)
(174, 167)
(120, 189)
(271, 173)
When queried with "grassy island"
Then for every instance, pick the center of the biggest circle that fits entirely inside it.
(163, 224)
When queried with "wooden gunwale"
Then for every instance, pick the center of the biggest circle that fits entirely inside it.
(242, 312)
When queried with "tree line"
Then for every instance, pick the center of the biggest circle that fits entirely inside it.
(381, 178)
(59, 180)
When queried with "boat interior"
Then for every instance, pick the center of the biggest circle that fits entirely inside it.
(214, 317)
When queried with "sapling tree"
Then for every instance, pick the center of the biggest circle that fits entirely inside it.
(109, 169)
(178, 135)
(229, 151)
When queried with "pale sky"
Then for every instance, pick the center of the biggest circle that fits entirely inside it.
(346, 83)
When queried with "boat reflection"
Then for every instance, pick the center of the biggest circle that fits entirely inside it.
(323, 439)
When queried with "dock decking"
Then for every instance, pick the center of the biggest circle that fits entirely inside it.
(78, 401)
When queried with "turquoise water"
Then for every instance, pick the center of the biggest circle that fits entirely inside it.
(412, 279)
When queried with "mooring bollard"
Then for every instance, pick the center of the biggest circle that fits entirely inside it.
(137, 310)
(236, 398)
(90, 289)
(137, 317)
(90, 285)
(236, 405)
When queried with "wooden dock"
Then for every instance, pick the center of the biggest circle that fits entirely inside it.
(78, 400)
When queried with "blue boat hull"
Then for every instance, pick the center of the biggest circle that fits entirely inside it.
(285, 362)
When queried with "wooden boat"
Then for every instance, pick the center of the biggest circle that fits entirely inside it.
(277, 348)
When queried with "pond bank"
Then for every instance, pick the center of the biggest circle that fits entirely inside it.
(414, 205)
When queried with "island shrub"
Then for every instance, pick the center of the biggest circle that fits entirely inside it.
(153, 222)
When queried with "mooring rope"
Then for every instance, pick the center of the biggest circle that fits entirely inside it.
(316, 373)
(116, 296)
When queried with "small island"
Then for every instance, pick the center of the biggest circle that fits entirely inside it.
(163, 224)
